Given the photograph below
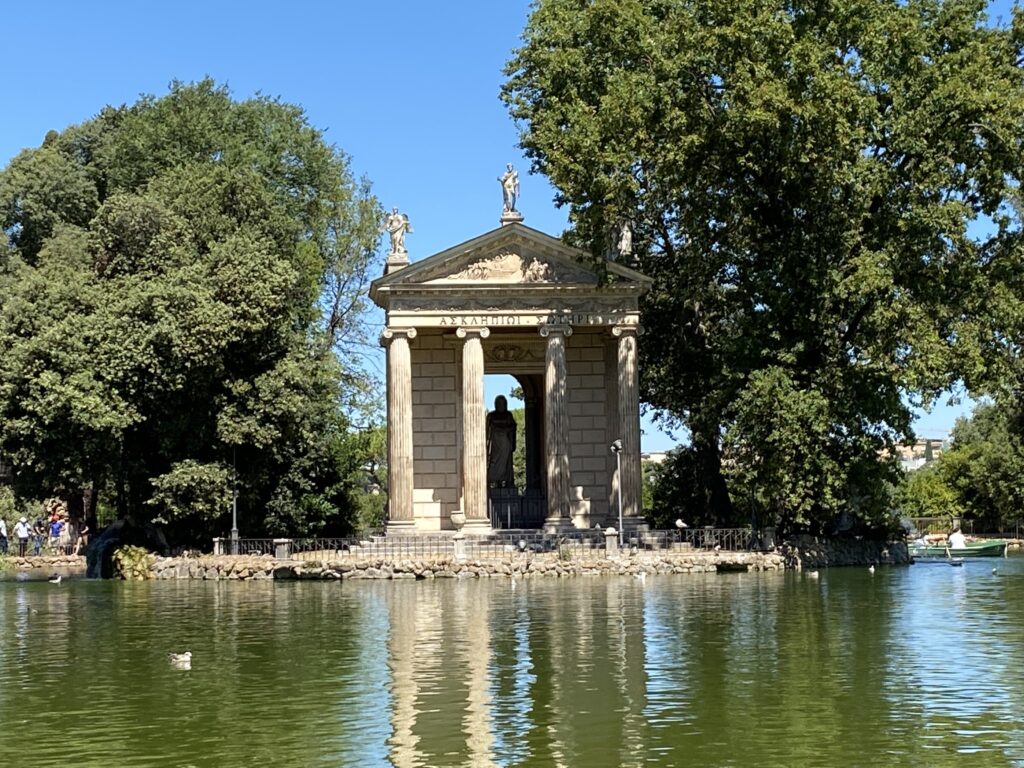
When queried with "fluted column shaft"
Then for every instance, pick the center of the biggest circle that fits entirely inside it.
(557, 424)
(474, 429)
(629, 420)
(400, 463)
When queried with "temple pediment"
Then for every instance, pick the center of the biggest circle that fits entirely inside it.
(516, 266)
(514, 259)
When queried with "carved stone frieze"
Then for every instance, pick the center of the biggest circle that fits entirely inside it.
(511, 267)
(449, 303)
(513, 353)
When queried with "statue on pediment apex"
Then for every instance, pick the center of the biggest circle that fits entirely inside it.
(509, 189)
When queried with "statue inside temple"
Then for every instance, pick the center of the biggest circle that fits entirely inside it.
(501, 445)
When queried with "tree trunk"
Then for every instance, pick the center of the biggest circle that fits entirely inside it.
(715, 491)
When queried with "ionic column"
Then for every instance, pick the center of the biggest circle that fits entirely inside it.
(557, 424)
(400, 464)
(629, 420)
(474, 430)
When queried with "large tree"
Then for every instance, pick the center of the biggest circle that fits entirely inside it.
(176, 280)
(984, 466)
(825, 193)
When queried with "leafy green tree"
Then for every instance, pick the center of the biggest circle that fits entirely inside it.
(926, 492)
(177, 280)
(519, 455)
(677, 491)
(985, 466)
(826, 196)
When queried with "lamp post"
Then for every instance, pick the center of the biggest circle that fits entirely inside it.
(234, 504)
(617, 450)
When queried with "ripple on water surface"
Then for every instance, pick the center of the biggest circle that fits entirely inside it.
(906, 667)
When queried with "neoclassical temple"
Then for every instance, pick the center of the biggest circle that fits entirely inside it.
(510, 301)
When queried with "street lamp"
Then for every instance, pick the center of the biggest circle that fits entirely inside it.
(617, 450)
(234, 503)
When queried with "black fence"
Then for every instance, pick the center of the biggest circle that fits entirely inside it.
(514, 512)
(502, 544)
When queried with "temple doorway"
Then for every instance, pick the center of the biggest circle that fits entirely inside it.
(515, 481)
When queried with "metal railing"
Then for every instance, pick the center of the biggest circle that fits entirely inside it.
(44, 549)
(250, 546)
(512, 511)
(499, 545)
(713, 539)
(943, 525)
(322, 549)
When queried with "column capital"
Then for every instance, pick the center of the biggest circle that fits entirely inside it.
(628, 330)
(390, 334)
(564, 330)
(463, 332)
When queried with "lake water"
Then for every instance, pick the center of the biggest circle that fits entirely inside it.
(918, 666)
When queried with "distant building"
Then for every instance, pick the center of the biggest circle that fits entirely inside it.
(922, 451)
(654, 457)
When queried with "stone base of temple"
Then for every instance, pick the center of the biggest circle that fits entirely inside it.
(559, 525)
(401, 528)
(631, 526)
(477, 528)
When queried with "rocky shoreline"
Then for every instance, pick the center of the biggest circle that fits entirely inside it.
(795, 556)
(803, 553)
(63, 563)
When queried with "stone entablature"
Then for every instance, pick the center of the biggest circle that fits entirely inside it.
(516, 301)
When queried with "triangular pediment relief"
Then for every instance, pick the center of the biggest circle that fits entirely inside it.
(512, 255)
(513, 267)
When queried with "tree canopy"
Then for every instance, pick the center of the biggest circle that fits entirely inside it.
(826, 194)
(984, 468)
(177, 278)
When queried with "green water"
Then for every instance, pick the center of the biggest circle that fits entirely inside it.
(919, 666)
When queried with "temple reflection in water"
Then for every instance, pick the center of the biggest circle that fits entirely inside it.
(534, 680)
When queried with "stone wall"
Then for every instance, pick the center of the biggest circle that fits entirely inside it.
(264, 567)
(49, 562)
(802, 553)
(591, 463)
(434, 439)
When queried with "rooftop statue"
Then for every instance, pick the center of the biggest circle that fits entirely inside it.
(624, 246)
(509, 189)
(397, 225)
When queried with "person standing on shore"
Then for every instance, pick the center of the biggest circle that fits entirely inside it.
(38, 534)
(3, 537)
(82, 540)
(21, 533)
(56, 527)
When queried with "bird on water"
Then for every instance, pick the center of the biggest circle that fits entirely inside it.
(55, 579)
(181, 660)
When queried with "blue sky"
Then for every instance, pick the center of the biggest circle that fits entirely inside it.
(408, 89)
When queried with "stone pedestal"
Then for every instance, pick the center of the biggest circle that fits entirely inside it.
(611, 542)
(459, 542)
(396, 261)
(282, 549)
